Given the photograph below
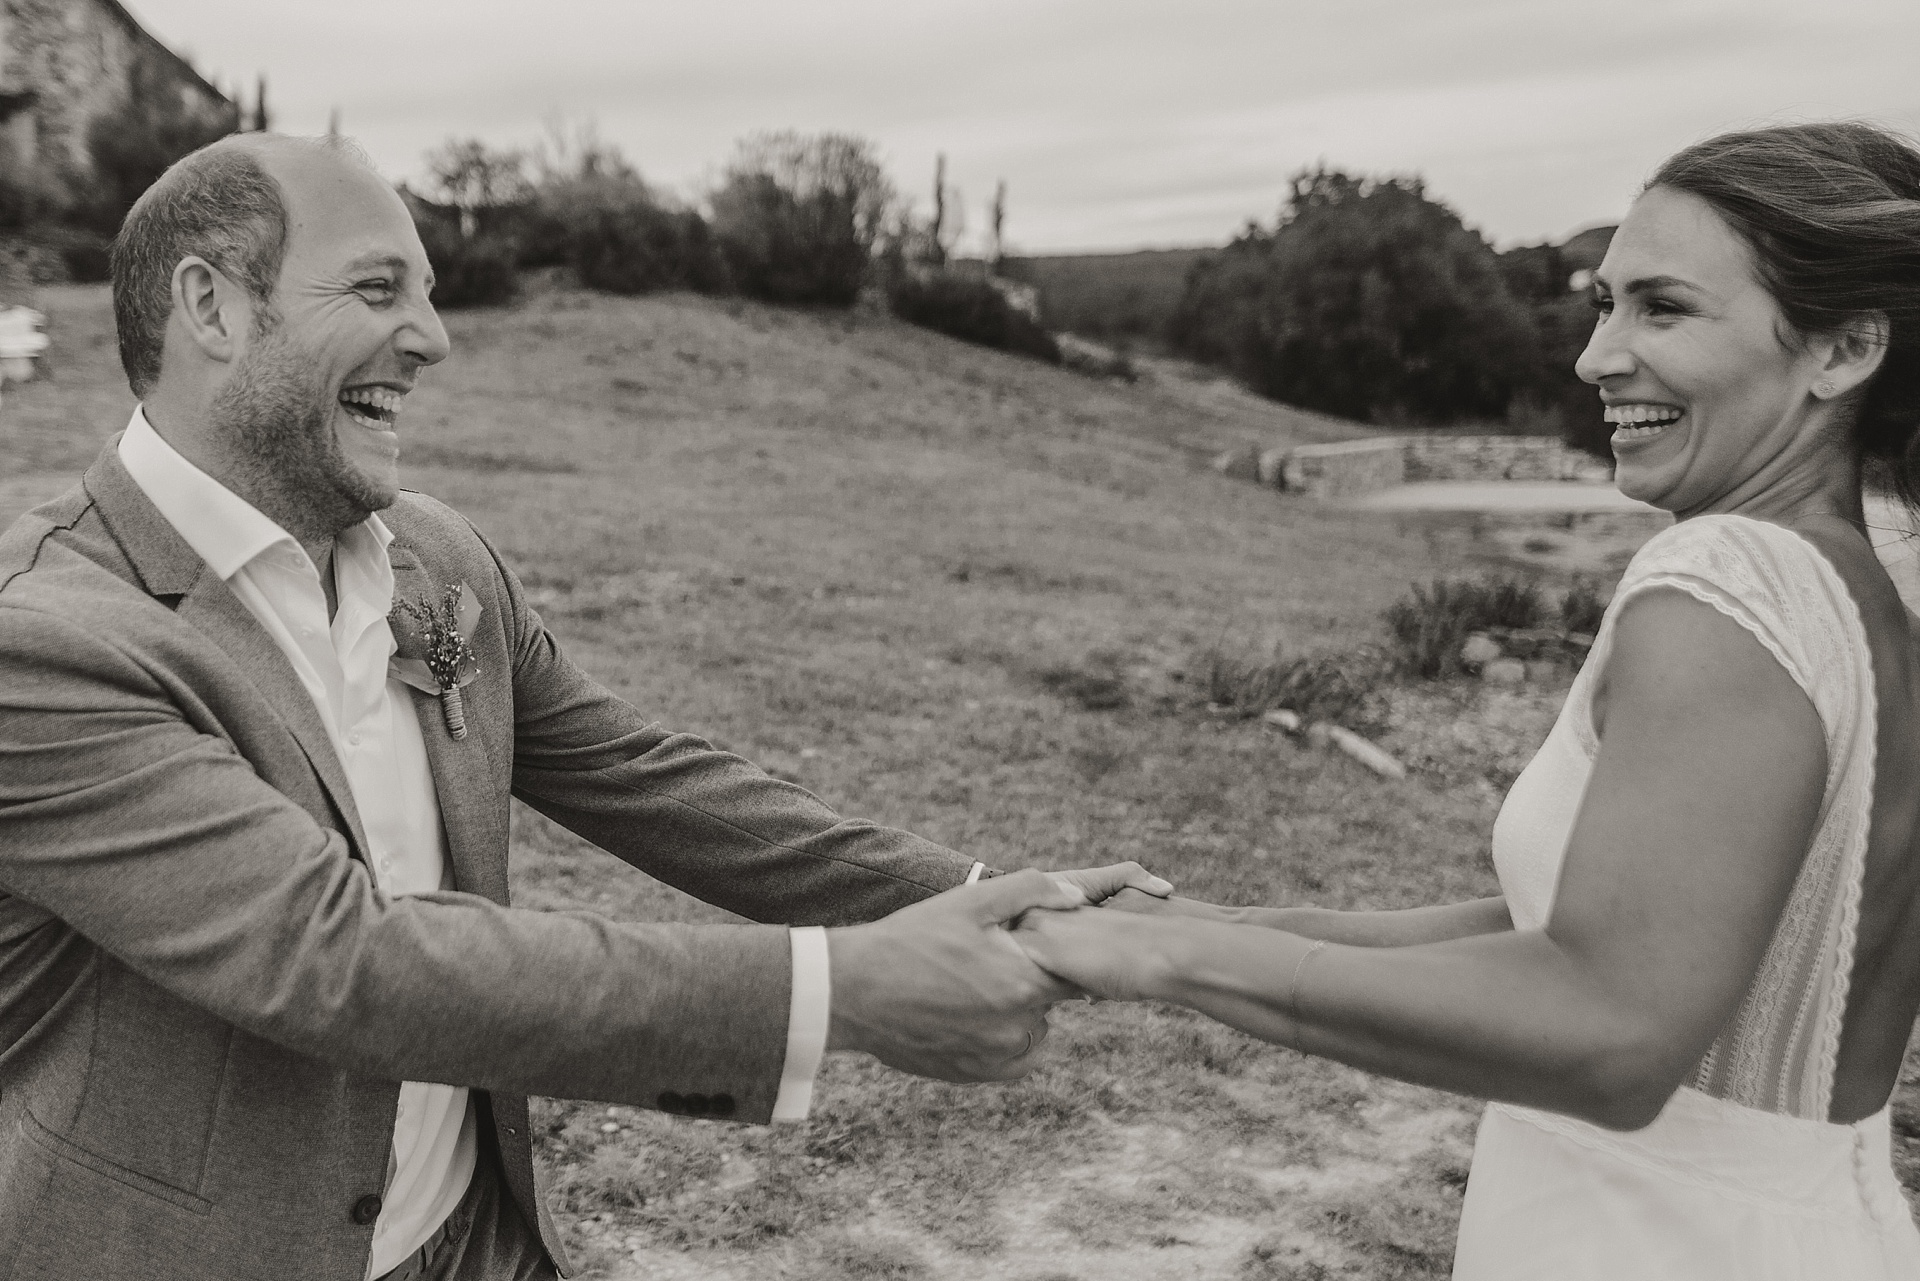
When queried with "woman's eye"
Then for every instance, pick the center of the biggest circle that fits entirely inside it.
(1600, 304)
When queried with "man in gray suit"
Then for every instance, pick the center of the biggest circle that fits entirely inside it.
(264, 1010)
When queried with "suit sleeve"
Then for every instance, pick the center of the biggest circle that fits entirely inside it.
(157, 842)
(704, 821)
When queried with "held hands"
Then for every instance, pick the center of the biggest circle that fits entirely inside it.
(941, 989)
(1108, 955)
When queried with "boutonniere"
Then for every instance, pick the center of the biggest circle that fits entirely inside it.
(444, 630)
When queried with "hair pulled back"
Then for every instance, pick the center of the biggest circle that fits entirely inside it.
(1832, 213)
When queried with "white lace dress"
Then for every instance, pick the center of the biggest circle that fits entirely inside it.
(1741, 1177)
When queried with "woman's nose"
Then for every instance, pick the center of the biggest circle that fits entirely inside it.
(1606, 355)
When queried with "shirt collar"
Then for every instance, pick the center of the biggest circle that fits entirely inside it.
(224, 529)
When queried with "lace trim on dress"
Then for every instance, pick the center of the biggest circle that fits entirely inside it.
(1778, 1053)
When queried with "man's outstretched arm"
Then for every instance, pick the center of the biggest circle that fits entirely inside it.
(162, 846)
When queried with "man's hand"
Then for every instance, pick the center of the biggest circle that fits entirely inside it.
(940, 989)
(1101, 883)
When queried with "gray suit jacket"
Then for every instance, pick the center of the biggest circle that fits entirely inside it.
(206, 1009)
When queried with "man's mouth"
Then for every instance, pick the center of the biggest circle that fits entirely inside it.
(377, 408)
(1642, 421)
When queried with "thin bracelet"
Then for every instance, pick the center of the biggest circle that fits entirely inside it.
(1293, 988)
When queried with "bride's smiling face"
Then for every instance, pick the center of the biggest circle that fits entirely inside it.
(1708, 393)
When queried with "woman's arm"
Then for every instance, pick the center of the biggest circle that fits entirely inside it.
(1699, 812)
(1402, 928)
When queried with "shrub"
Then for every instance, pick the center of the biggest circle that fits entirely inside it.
(469, 271)
(1430, 624)
(618, 237)
(797, 217)
(1582, 607)
(1335, 689)
(970, 308)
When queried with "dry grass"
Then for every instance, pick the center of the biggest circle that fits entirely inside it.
(957, 592)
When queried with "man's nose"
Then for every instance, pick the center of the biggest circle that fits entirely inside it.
(1606, 355)
(424, 340)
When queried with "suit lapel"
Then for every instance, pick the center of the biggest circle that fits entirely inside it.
(169, 568)
(462, 770)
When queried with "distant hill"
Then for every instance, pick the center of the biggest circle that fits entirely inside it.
(1109, 296)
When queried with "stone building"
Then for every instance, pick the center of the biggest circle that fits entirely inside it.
(65, 64)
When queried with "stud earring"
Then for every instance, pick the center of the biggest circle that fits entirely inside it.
(1823, 389)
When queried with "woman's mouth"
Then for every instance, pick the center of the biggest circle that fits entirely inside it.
(1635, 422)
(375, 408)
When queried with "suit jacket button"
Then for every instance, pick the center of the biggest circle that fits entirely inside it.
(672, 1103)
(698, 1104)
(721, 1105)
(366, 1209)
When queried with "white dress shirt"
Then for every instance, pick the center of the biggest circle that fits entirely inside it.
(370, 720)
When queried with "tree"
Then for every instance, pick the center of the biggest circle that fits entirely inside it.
(131, 146)
(1367, 299)
(262, 119)
(477, 180)
(797, 216)
(997, 216)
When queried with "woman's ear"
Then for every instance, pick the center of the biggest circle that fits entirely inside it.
(215, 312)
(1852, 354)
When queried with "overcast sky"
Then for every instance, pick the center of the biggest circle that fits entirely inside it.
(1115, 123)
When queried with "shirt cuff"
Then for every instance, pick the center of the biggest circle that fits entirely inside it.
(807, 1018)
(974, 873)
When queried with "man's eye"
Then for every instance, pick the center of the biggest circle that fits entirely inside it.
(375, 286)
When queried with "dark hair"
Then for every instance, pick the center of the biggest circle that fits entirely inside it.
(220, 204)
(1832, 212)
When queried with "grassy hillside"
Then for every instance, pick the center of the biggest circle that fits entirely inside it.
(970, 595)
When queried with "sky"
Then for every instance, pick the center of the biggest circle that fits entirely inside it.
(1116, 124)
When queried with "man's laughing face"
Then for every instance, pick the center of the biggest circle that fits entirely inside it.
(318, 392)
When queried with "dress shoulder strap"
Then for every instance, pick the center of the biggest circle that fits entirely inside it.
(1778, 586)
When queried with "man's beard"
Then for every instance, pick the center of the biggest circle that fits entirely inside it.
(282, 419)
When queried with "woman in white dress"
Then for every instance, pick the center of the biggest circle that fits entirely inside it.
(1689, 1006)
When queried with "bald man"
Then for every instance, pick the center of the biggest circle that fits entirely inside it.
(264, 1009)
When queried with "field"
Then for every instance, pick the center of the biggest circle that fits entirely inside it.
(969, 595)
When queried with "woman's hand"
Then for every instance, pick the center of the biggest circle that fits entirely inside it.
(1132, 900)
(1111, 956)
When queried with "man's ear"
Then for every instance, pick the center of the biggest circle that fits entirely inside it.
(1853, 353)
(216, 313)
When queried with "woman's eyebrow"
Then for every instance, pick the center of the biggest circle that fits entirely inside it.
(1642, 284)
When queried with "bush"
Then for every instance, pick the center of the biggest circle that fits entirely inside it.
(469, 271)
(1337, 690)
(1582, 607)
(618, 237)
(969, 308)
(1431, 623)
(797, 217)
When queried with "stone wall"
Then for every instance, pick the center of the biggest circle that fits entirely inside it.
(1346, 469)
(1475, 458)
(1351, 468)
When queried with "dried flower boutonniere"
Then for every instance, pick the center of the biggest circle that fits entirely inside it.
(445, 632)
